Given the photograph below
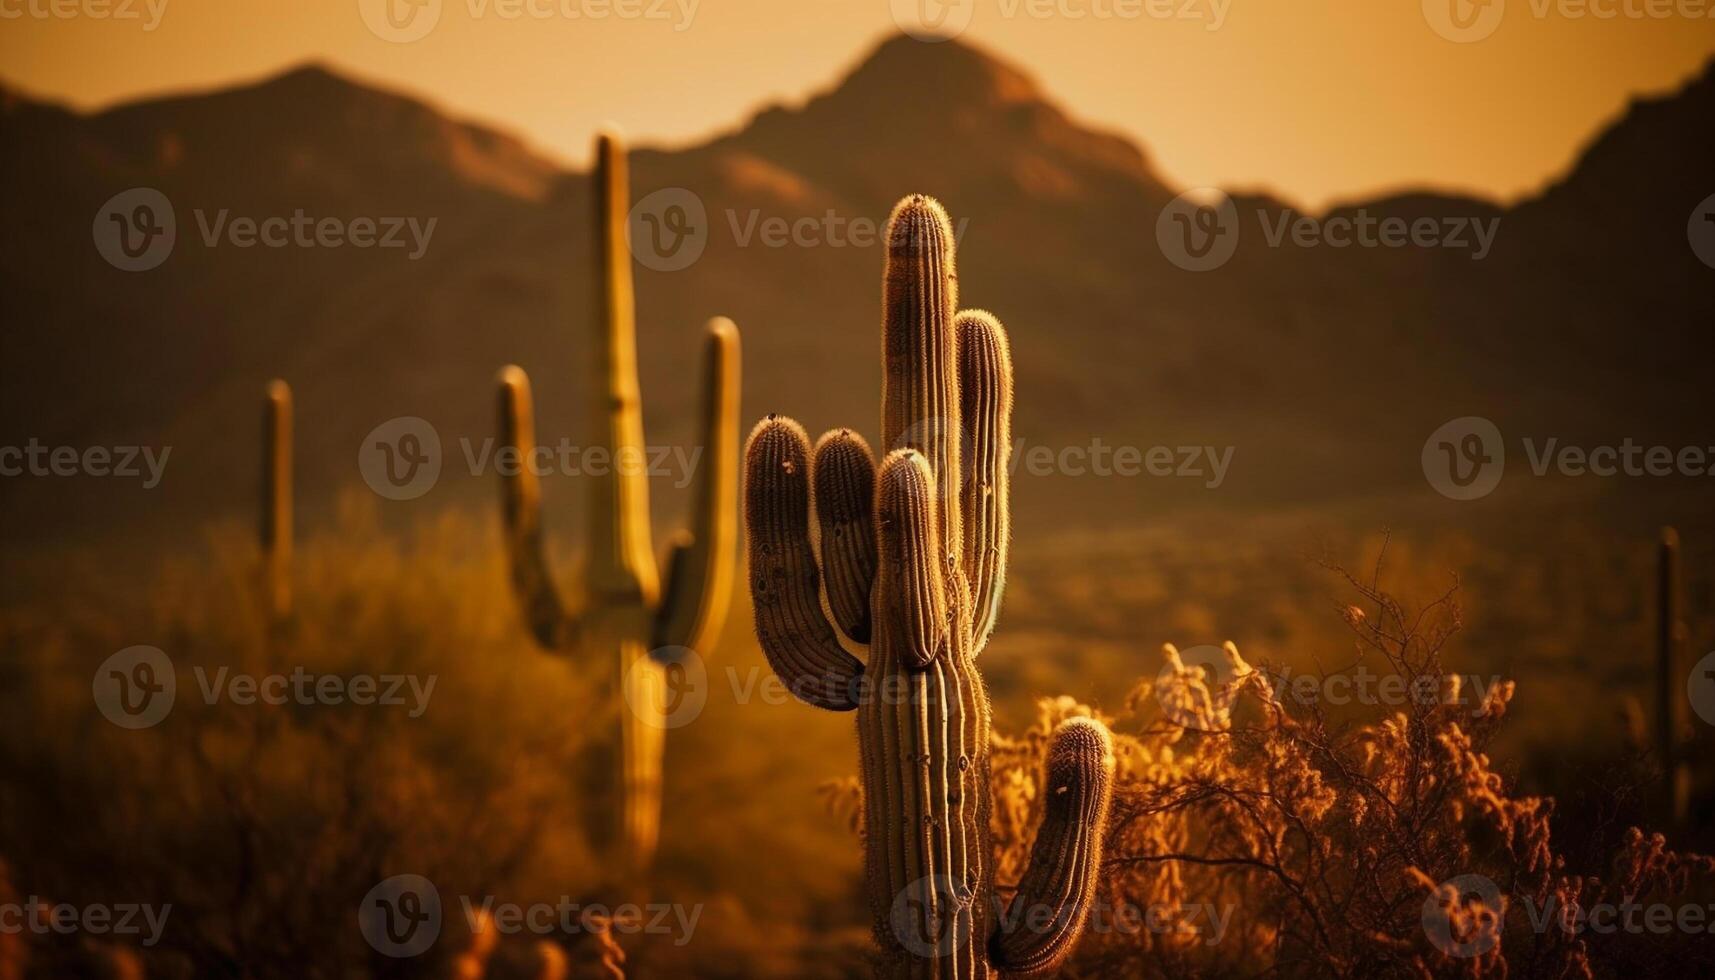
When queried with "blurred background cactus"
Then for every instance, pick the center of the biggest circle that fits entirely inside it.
(1673, 722)
(276, 517)
(624, 621)
(915, 560)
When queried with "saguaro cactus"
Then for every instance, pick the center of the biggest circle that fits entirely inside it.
(623, 614)
(276, 525)
(914, 560)
(1672, 724)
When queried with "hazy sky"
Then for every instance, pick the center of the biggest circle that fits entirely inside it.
(1318, 99)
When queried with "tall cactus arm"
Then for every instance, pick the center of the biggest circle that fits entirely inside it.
(795, 634)
(620, 559)
(700, 568)
(276, 527)
(985, 405)
(910, 583)
(521, 500)
(1047, 916)
(845, 504)
(920, 383)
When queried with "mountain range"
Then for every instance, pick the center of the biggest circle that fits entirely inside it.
(1586, 316)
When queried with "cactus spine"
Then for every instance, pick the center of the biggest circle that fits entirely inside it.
(1672, 723)
(914, 559)
(623, 613)
(276, 530)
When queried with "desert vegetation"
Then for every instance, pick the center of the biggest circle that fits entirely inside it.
(1206, 819)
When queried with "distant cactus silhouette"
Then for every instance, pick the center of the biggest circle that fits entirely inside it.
(914, 559)
(276, 524)
(623, 611)
(1672, 723)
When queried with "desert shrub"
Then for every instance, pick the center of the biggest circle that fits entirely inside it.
(1251, 834)
(264, 825)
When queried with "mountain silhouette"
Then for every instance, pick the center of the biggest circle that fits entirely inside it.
(1323, 367)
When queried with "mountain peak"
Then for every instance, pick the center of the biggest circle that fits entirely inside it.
(952, 72)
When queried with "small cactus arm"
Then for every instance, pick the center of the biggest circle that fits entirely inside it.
(913, 561)
(276, 529)
(623, 612)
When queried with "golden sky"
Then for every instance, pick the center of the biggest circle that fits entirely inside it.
(1317, 99)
